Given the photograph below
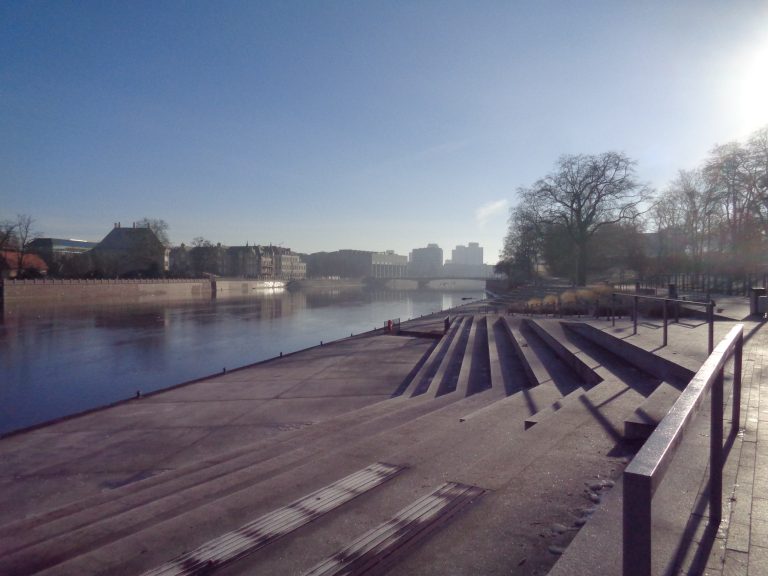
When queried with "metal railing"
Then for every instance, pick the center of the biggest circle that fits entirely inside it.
(646, 471)
(675, 303)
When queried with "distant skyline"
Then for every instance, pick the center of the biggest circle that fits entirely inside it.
(330, 125)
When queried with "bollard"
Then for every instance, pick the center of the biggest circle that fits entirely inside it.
(634, 314)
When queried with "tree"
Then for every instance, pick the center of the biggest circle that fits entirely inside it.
(199, 241)
(25, 234)
(522, 245)
(734, 175)
(583, 194)
(7, 237)
(158, 226)
(685, 216)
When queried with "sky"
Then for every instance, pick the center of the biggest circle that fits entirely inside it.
(367, 125)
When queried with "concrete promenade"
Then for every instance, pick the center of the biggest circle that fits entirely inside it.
(504, 442)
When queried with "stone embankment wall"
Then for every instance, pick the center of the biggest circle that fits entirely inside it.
(322, 283)
(446, 284)
(103, 290)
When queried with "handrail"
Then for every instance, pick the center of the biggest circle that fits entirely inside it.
(709, 306)
(646, 471)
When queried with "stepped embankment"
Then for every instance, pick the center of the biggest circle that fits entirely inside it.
(494, 444)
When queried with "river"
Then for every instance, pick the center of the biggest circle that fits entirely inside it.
(63, 359)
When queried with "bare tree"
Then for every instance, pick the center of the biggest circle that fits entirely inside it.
(199, 241)
(25, 234)
(158, 226)
(7, 236)
(522, 245)
(585, 193)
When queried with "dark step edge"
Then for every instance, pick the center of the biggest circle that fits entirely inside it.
(462, 385)
(497, 377)
(531, 397)
(644, 419)
(548, 411)
(440, 380)
(530, 376)
(419, 385)
(645, 361)
(587, 375)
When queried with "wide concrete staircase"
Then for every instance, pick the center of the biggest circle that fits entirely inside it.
(494, 434)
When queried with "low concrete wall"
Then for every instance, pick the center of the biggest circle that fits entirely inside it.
(646, 361)
(443, 284)
(586, 373)
(456, 284)
(103, 290)
(244, 287)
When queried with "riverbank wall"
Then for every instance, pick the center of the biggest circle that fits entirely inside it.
(441, 284)
(327, 283)
(128, 290)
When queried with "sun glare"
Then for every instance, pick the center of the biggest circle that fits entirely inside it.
(753, 90)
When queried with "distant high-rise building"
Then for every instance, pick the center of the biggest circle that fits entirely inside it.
(469, 255)
(426, 262)
(467, 262)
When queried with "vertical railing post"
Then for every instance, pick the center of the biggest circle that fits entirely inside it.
(736, 408)
(634, 316)
(613, 309)
(665, 322)
(637, 525)
(711, 319)
(677, 312)
(716, 452)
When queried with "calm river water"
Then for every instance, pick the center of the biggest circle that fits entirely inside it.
(58, 360)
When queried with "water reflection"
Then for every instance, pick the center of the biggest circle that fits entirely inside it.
(57, 359)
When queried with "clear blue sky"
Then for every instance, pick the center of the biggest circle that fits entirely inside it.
(370, 125)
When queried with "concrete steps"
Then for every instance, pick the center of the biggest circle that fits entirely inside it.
(423, 378)
(643, 421)
(143, 505)
(550, 410)
(552, 334)
(263, 531)
(593, 363)
(151, 522)
(554, 369)
(516, 366)
(464, 384)
(446, 377)
(446, 434)
(370, 420)
(407, 526)
(643, 360)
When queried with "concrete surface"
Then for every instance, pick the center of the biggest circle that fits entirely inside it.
(122, 490)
